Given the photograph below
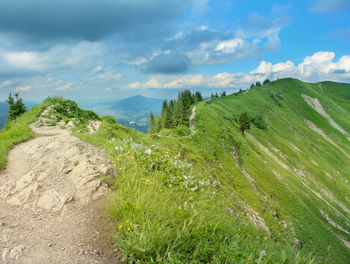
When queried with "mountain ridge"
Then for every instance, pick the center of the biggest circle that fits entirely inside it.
(281, 188)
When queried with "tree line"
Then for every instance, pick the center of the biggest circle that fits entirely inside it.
(175, 112)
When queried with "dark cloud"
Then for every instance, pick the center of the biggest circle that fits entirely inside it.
(170, 63)
(88, 19)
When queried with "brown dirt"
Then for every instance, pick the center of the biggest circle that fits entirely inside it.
(51, 202)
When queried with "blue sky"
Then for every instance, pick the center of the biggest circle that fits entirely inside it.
(107, 49)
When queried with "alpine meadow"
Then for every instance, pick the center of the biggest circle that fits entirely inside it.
(175, 132)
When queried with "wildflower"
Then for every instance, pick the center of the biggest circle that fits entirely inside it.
(130, 223)
(126, 221)
(144, 223)
(180, 208)
(166, 152)
(120, 227)
(128, 228)
(249, 235)
(265, 238)
(148, 151)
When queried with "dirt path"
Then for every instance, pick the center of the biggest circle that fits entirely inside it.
(192, 117)
(51, 201)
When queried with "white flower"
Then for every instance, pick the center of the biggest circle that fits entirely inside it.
(149, 151)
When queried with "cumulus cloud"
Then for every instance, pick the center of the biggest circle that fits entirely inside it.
(64, 86)
(59, 57)
(318, 67)
(327, 6)
(23, 88)
(203, 45)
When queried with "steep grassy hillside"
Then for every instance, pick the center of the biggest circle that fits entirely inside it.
(288, 175)
(278, 194)
(295, 172)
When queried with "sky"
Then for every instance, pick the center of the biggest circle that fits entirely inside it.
(106, 49)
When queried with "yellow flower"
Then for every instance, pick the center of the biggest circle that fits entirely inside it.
(249, 235)
(166, 152)
(265, 238)
(144, 223)
(130, 223)
(120, 227)
(180, 208)
(128, 228)
(126, 221)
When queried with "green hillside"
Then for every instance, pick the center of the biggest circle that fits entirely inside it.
(277, 194)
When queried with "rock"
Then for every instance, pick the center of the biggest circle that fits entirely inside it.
(298, 244)
(51, 200)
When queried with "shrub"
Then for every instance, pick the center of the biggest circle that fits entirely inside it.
(259, 122)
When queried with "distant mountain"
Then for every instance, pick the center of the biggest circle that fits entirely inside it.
(138, 103)
(3, 113)
(132, 109)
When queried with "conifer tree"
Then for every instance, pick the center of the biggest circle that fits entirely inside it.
(266, 81)
(223, 94)
(244, 122)
(16, 107)
(152, 123)
(198, 97)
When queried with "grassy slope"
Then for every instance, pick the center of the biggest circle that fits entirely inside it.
(16, 132)
(290, 198)
(182, 199)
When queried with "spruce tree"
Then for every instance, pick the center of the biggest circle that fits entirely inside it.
(152, 123)
(244, 122)
(16, 107)
(266, 81)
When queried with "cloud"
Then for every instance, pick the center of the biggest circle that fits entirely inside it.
(109, 76)
(318, 67)
(91, 19)
(23, 88)
(5, 83)
(64, 86)
(202, 45)
(60, 57)
(328, 6)
(167, 63)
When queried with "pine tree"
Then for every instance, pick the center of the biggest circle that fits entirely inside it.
(223, 94)
(16, 107)
(266, 81)
(152, 123)
(244, 122)
(198, 97)
(257, 84)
